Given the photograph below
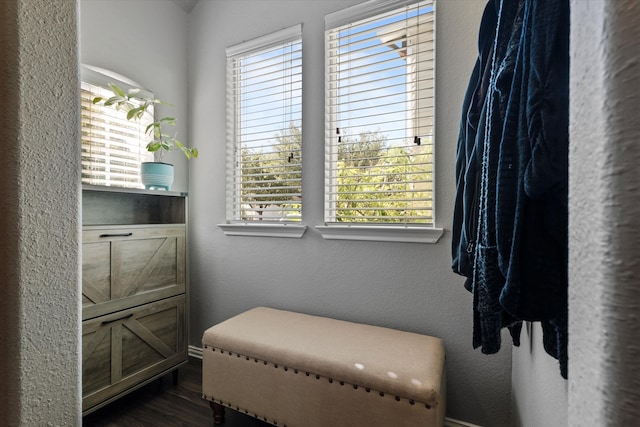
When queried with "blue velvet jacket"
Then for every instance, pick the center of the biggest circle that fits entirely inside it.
(510, 219)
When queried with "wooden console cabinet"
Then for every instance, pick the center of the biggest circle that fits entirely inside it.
(134, 290)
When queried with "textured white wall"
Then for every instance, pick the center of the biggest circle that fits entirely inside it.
(146, 41)
(401, 285)
(604, 290)
(39, 224)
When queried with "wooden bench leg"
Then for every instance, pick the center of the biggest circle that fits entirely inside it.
(218, 413)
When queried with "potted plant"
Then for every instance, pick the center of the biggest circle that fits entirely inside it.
(157, 174)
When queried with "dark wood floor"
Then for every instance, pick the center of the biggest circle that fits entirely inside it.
(161, 404)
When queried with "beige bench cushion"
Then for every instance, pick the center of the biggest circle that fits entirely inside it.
(403, 364)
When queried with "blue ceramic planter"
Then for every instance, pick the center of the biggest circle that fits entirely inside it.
(156, 175)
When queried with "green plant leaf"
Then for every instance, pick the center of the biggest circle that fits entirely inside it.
(135, 106)
(168, 120)
(152, 147)
(132, 113)
(116, 89)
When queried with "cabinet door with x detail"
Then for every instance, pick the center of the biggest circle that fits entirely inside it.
(123, 267)
(121, 349)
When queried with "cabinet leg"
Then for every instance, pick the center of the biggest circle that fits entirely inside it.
(175, 377)
(218, 413)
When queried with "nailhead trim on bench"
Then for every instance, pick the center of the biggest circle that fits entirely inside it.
(318, 376)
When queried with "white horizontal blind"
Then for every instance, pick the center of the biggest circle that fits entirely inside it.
(264, 105)
(112, 146)
(380, 117)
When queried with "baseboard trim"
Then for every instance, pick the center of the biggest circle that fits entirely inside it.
(195, 352)
(448, 422)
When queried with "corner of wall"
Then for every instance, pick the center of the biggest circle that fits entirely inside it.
(40, 194)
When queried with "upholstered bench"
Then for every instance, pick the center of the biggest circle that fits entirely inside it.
(296, 370)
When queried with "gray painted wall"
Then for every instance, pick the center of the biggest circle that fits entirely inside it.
(400, 285)
(146, 41)
(39, 218)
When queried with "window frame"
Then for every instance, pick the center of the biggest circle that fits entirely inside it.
(235, 225)
(369, 231)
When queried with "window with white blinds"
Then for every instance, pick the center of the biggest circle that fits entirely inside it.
(380, 114)
(112, 146)
(264, 107)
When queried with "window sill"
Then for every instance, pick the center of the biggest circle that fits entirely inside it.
(381, 233)
(264, 230)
